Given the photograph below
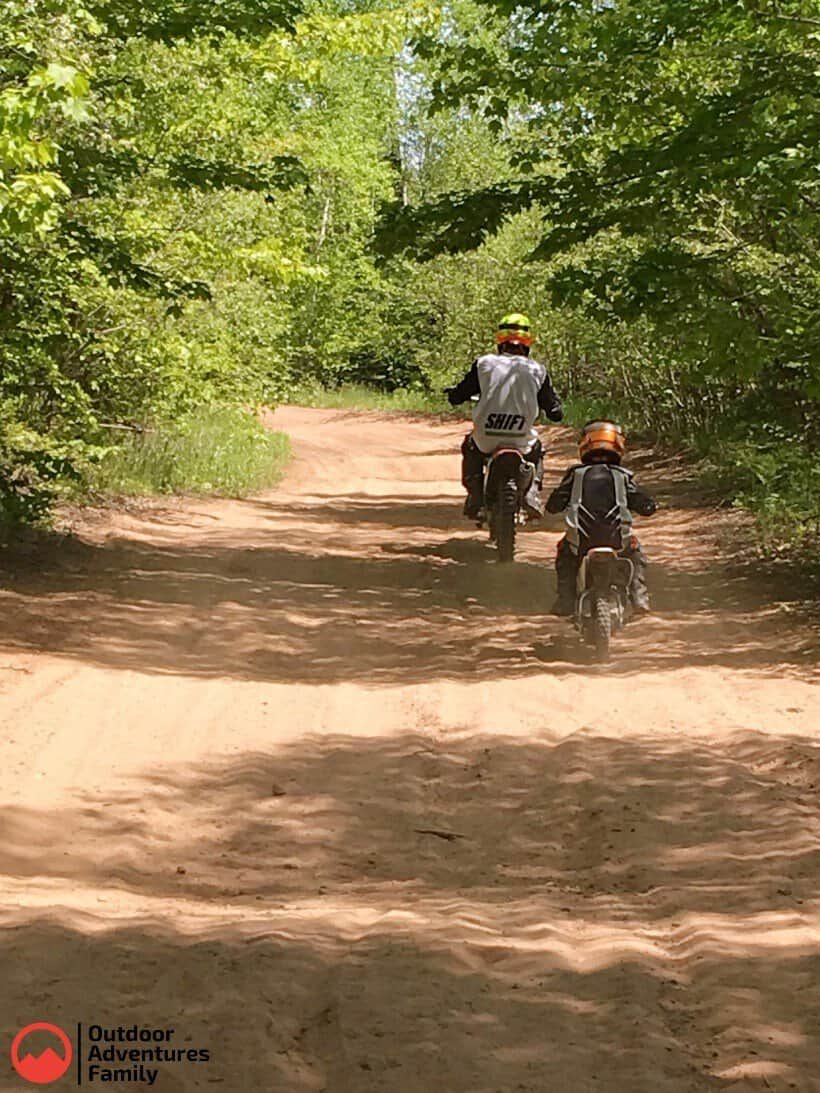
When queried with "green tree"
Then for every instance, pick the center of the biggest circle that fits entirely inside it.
(671, 153)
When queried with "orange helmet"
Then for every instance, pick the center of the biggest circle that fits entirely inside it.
(514, 329)
(603, 439)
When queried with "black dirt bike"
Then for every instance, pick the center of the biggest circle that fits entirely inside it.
(602, 597)
(507, 478)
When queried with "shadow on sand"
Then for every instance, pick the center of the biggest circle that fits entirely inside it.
(613, 914)
(300, 597)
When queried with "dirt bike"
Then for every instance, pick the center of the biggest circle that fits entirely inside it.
(602, 597)
(507, 478)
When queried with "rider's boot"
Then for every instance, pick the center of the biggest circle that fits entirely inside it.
(532, 498)
(638, 591)
(639, 594)
(472, 477)
(474, 502)
(566, 570)
(532, 501)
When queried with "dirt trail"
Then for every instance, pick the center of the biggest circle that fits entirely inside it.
(236, 734)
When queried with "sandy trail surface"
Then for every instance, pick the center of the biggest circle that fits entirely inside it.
(312, 780)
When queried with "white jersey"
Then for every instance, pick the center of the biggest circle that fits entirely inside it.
(507, 409)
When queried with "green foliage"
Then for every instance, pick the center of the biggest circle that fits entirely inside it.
(673, 159)
(171, 20)
(30, 186)
(34, 470)
(152, 259)
(212, 450)
(670, 155)
(190, 195)
(778, 482)
(352, 396)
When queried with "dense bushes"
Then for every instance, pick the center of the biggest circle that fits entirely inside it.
(669, 153)
(189, 196)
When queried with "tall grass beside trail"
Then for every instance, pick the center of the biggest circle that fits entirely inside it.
(212, 451)
(356, 396)
(779, 483)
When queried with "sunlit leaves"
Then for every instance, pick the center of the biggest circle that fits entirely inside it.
(684, 135)
(30, 184)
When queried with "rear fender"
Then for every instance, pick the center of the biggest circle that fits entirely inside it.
(508, 464)
(596, 575)
(603, 574)
(599, 570)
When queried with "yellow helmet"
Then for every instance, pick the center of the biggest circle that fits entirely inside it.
(514, 328)
(604, 439)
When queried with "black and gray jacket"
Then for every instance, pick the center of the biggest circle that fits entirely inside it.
(599, 499)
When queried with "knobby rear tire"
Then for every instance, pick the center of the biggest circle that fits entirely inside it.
(602, 627)
(505, 522)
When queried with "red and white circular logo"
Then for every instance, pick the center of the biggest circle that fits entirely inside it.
(49, 1065)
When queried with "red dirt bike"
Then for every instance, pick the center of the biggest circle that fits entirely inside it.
(507, 477)
(602, 597)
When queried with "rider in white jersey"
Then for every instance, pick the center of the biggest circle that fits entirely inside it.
(513, 389)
